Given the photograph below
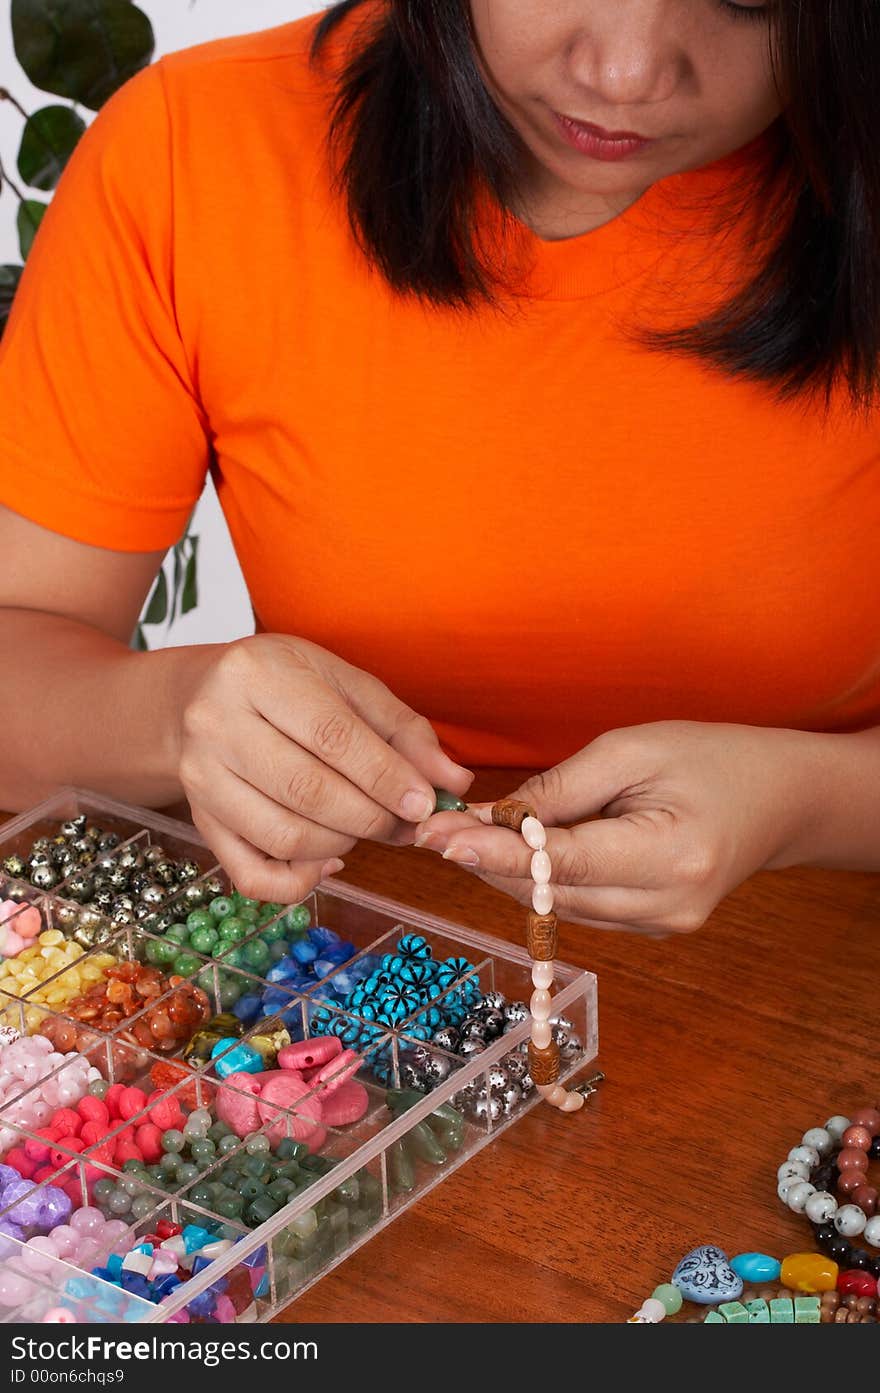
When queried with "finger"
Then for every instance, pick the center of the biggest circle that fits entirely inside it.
(266, 825)
(299, 783)
(256, 874)
(322, 722)
(436, 831)
(631, 852)
(602, 906)
(584, 784)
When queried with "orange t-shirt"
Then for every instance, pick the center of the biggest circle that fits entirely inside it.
(529, 528)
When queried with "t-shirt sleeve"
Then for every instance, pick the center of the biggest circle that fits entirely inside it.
(102, 436)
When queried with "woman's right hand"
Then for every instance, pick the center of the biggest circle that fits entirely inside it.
(288, 755)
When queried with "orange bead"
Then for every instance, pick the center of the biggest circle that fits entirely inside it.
(867, 1117)
(851, 1159)
(865, 1196)
(856, 1138)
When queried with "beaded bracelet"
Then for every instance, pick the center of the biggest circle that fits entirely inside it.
(818, 1160)
(543, 939)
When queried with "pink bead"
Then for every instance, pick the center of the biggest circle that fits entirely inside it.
(93, 1110)
(236, 1103)
(856, 1139)
(14, 1289)
(224, 1311)
(21, 1162)
(345, 1104)
(37, 1151)
(868, 1118)
(39, 1254)
(59, 1315)
(284, 1090)
(309, 1054)
(66, 1123)
(28, 924)
(112, 1097)
(43, 1173)
(90, 1251)
(131, 1101)
(339, 1070)
(149, 1139)
(850, 1159)
(114, 1232)
(87, 1221)
(64, 1239)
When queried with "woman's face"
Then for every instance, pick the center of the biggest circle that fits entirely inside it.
(693, 75)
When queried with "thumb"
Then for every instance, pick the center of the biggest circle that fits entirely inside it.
(581, 786)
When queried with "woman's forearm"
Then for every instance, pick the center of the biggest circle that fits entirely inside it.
(841, 826)
(78, 707)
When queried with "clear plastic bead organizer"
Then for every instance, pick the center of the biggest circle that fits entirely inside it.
(429, 1106)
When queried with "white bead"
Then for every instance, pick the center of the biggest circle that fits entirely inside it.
(819, 1138)
(820, 1207)
(557, 1096)
(808, 1154)
(849, 1220)
(836, 1126)
(542, 1034)
(653, 1310)
(540, 867)
(542, 899)
(545, 1089)
(542, 974)
(540, 1005)
(533, 833)
(796, 1170)
(798, 1195)
(788, 1183)
(872, 1231)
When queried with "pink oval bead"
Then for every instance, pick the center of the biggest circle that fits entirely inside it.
(345, 1104)
(856, 1139)
(339, 1070)
(59, 1315)
(851, 1160)
(310, 1054)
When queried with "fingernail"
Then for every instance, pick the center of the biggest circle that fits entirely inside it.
(416, 806)
(332, 867)
(462, 855)
(432, 840)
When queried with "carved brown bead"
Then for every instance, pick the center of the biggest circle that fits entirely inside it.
(544, 1063)
(510, 812)
(543, 938)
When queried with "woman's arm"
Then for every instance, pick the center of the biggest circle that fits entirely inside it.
(76, 704)
(842, 808)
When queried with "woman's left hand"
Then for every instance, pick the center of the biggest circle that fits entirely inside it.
(665, 820)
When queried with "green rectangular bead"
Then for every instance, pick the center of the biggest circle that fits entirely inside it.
(713, 1318)
(782, 1311)
(759, 1311)
(806, 1310)
(734, 1312)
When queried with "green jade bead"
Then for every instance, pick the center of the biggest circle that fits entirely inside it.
(669, 1297)
(257, 1167)
(807, 1310)
(203, 1150)
(421, 1142)
(230, 1207)
(759, 1311)
(259, 1210)
(281, 1190)
(244, 902)
(221, 908)
(255, 955)
(202, 1194)
(178, 933)
(187, 1173)
(273, 933)
(173, 1140)
(290, 1150)
(257, 1145)
(446, 802)
(99, 1089)
(248, 916)
(233, 929)
(734, 1312)
(713, 1318)
(299, 918)
(250, 1189)
(403, 1175)
(782, 1311)
(204, 940)
(227, 1144)
(185, 964)
(200, 919)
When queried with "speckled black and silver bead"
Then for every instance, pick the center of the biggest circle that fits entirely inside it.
(497, 1079)
(493, 1021)
(74, 826)
(79, 886)
(467, 1048)
(45, 877)
(515, 1012)
(448, 1038)
(15, 866)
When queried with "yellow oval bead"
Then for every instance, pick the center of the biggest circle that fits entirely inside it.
(809, 1272)
(50, 937)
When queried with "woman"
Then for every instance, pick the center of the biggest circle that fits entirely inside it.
(561, 444)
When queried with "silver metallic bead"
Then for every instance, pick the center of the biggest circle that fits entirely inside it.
(563, 1021)
(526, 1083)
(493, 1021)
(117, 878)
(84, 936)
(464, 1098)
(447, 1039)
(489, 1106)
(65, 916)
(511, 1098)
(516, 1065)
(94, 832)
(470, 1047)
(153, 895)
(79, 886)
(515, 1012)
(38, 858)
(85, 850)
(14, 866)
(194, 896)
(190, 870)
(154, 854)
(130, 859)
(411, 1077)
(45, 877)
(108, 841)
(165, 874)
(145, 916)
(493, 1001)
(74, 827)
(498, 1079)
(437, 1069)
(102, 900)
(472, 1028)
(90, 918)
(569, 1045)
(41, 845)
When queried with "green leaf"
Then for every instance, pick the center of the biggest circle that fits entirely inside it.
(9, 278)
(30, 215)
(49, 139)
(191, 584)
(81, 49)
(139, 641)
(157, 609)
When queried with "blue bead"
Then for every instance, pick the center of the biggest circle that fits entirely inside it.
(324, 966)
(79, 1287)
(304, 952)
(263, 1289)
(258, 1258)
(243, 1059)
(704, 1275)
(135, 1284)
(114, 1264)
(202, 1305)
(414, 946)
(195, 1237)
(282, 971)
(756, 1267)
(322, 937)
(247, 1008)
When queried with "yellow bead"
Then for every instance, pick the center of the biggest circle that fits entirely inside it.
(808, 1272)
(50, 937)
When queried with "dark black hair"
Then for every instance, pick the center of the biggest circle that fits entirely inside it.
(418, 135)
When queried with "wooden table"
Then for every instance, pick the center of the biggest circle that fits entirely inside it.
(720, 1049)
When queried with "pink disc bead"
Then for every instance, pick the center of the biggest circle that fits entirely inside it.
(310, 1054)
(856, 1138)
(850, 1159)
(344, 1105)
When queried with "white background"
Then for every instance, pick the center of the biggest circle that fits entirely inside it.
(224, 611)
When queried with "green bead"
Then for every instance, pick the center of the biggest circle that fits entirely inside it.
(250, 1189)
(230, 1206)
(248, 915)
(734, 1312)
(257, 1166)
(178, 933)
(221, 908)
(759, 1312)
(227, 1144)
(806, 1310)
(203, 940)
(257, 1145)
(134, 1168)
(281, 1190)
(232, 929)
(278, 949)
(185, 964)
(200, 919)
(202, 1150)
(669, 1296)
(403, 1176)
(168, 1164)
(298, 918)
(173, 1140)
(167, 952)
(229, 994)
(202, 1194)
(713, 1318)
(261, 1209)
(273, 933)
(421, 1142)
(782, 1311)
(255, 955)
(153, 951)
(99, 1088)
(103, 1189)
(446, 802)
(218, 1130)
(290, 1150)
(141, 1206)
(187, 1173)
(245, 903)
